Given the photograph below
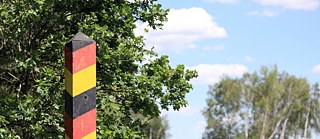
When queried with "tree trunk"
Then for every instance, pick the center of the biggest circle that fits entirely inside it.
(262, 136)
(276, 128)
(284, 128)
(150, 133)
(246, 126)
(306, 126)
(246, 131)
(159, 133)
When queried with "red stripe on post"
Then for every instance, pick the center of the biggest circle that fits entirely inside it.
(80, 59)
(81, 126)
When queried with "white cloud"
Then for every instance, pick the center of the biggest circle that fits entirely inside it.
(210, 74)
(269, 13)
(200, 126)
(248, 59)
(183, 29)
(292, 4)
(316, 69)
(222, 1)
(185, 111)
(214, 48)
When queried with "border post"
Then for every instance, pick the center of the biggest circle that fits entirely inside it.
(80, 88)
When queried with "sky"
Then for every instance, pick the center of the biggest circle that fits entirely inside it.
(232, 37)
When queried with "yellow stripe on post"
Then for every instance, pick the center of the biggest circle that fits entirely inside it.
(80, 81)
(90, 136)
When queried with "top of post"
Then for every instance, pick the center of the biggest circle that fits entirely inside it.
(79, 41)
(81, 37)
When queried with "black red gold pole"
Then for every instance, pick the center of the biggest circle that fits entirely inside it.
(80, 85)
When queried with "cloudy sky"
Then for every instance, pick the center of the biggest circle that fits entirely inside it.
(231, 37)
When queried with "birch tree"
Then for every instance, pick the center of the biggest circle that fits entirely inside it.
(267, 104)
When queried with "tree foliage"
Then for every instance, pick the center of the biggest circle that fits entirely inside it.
(266, 105)
(32, 37)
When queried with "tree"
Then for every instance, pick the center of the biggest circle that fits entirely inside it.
(33, 33)
(158, 127)
(262, 105)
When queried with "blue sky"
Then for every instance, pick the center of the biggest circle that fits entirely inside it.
(232, 37)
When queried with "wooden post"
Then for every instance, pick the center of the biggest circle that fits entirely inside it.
(80, 84)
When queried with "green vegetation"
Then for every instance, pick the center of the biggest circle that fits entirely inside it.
(158, 128)
(264, 105)
(131, 88)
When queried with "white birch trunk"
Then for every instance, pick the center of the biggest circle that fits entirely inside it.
(150, 133)
(284, 128)
(262, 136)
(305, 132)
(276, 128)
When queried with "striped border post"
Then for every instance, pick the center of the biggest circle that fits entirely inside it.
(80, 84)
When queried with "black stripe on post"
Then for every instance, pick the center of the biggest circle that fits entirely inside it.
(80, 104)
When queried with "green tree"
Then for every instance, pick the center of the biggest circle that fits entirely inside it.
(158, 127)
(32, 37)
(265, 104)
